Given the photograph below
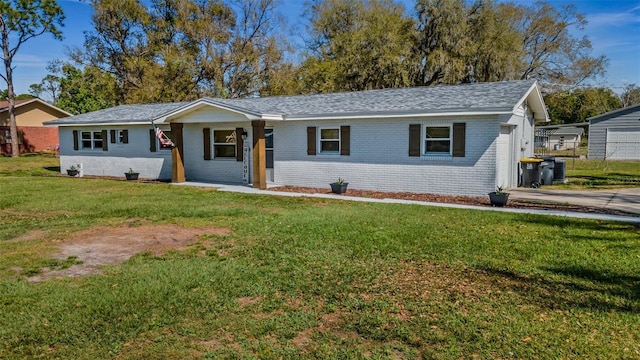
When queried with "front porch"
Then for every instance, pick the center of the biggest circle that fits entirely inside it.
(233, 153)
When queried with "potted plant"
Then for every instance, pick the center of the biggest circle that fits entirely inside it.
(499, 197)
(131, 174)
(72, 171)
(339, 187)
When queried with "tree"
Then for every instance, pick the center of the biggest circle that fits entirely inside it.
(249, 53)
(368, 44)
(551, 54)
(119, 43)
(443, 44)
(50, 84)
(175, 50)
(630, 96)
(575, 106)
(358, 45)
(4, 96)
(85, 90)
(495, 45)
(24, 20)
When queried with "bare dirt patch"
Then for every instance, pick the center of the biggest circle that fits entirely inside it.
(113, 245)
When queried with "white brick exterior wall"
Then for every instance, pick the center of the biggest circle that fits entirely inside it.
(379, 158)
(119, 158)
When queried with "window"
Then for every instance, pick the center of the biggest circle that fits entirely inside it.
(119, 136)
(437, 140)
(330, 140)
(92, 140)
(224, 143)
(268, 144)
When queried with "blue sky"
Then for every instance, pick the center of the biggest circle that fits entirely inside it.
(613, 28)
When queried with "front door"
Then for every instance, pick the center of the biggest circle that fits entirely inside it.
(505, 158)
(268, 144)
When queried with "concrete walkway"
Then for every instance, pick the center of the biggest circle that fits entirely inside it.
(634, 197)
(627, 200)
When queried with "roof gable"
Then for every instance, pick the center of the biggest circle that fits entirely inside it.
(615, 113)
(4, 105)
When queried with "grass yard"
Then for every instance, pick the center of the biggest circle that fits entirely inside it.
(583, 173)
(307, 278)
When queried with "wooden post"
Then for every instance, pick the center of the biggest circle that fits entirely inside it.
(177, 164)
(259, 155)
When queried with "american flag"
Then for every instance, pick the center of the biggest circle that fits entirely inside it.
(164, 140)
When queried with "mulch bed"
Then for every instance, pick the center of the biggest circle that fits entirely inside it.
(447, 199)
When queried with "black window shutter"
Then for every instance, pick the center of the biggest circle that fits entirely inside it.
(239, 144)
(414, 140)
(152, 141)
(311, 140)
(345, 140)
(75, 140)
(125, 136)
(105, 143)
(206, 139)
(112, 134)
(459, 134)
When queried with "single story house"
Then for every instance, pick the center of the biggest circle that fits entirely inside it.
(32, 134)
(459, 140)
(558, 138)
(615, 135)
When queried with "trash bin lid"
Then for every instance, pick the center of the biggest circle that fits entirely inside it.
(530, 160)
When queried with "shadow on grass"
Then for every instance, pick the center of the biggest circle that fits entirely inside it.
(55, 169)
(573, 286)
(608, 179)
(562, 222)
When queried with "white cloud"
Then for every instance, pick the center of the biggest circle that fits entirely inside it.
(29, 61)
(617, 19)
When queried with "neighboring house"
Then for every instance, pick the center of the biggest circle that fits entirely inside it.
(30, 116)
(463, 139)
(559, 137)
(615, 135)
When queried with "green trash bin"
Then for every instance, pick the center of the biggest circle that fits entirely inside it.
(531, 172)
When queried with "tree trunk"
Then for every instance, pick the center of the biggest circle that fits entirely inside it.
(11, 96)
(13, 126)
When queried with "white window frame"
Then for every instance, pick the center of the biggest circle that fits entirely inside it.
(321, 140)
(268, 132)
(425, 140)
(235, 145)
(92, 140)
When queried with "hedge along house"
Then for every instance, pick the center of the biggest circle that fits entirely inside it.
(462, 139)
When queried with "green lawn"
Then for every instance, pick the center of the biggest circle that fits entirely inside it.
(603, 174)
(310, 278)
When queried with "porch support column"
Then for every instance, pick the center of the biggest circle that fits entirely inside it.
(259, 155)
(177, 164)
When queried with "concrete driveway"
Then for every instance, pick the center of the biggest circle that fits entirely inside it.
(614, 199)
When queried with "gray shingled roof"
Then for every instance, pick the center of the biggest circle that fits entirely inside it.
(120, 114)
(497, 96)
(482, 96)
